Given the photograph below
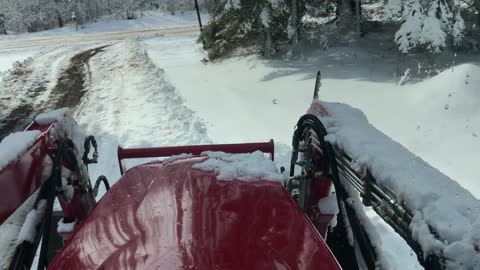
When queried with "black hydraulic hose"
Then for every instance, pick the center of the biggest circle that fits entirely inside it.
(363, 240)
(54, 185)
(100, 179)
(25, 252)
(318, 84)
(337, 239)
(90, 140)
(397, 214)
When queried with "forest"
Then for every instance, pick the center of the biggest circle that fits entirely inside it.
(415, 25)
(19, 16)
(430, 26)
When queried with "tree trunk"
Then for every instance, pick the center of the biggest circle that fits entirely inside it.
(347, 13)
(59, 18)
(294, 23)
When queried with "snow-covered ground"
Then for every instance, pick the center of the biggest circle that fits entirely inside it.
(8, 57)
(251, 99)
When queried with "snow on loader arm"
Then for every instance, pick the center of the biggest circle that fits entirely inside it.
(37, 165)
(335, 143)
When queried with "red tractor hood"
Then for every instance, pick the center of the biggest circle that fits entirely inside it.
(170, 216)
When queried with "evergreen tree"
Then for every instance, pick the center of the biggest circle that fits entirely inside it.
(237, 23)
(3, 29)
(429, 25)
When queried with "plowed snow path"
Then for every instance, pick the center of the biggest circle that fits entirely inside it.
(129, 102)
(48, 81)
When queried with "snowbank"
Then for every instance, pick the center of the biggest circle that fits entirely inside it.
(15, 144)
(251, 166)
(438, 201)
(9, 57)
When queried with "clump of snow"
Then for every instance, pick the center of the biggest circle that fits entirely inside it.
(67, 188)
(265, 17)
(64, 127)
(232, 4)
(392, 10)
(15, 144)
(175, 157)
(328, 205)
(52, 117)
(252, 166)
(28, 231)
(437, 201)
(63, 227)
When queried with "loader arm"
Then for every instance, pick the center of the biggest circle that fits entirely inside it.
(314, 156)
(323, 143)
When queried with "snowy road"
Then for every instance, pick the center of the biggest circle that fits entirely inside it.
(130, 102)
(46, 82)
(54, 77)
(75, 39)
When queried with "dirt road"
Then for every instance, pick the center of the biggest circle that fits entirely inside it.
(30, 90)
(72, 39)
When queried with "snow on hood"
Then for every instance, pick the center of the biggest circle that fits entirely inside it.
(437, 200)
(252, 166)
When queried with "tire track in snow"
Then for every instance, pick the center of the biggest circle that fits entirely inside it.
(131, 103)
(35, 86)
(73, 79)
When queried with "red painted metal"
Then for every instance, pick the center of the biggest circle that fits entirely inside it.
(170, 216)
(266, 147)
(22, 177)
(320, 189)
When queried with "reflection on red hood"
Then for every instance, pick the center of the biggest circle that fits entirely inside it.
(170, 216)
